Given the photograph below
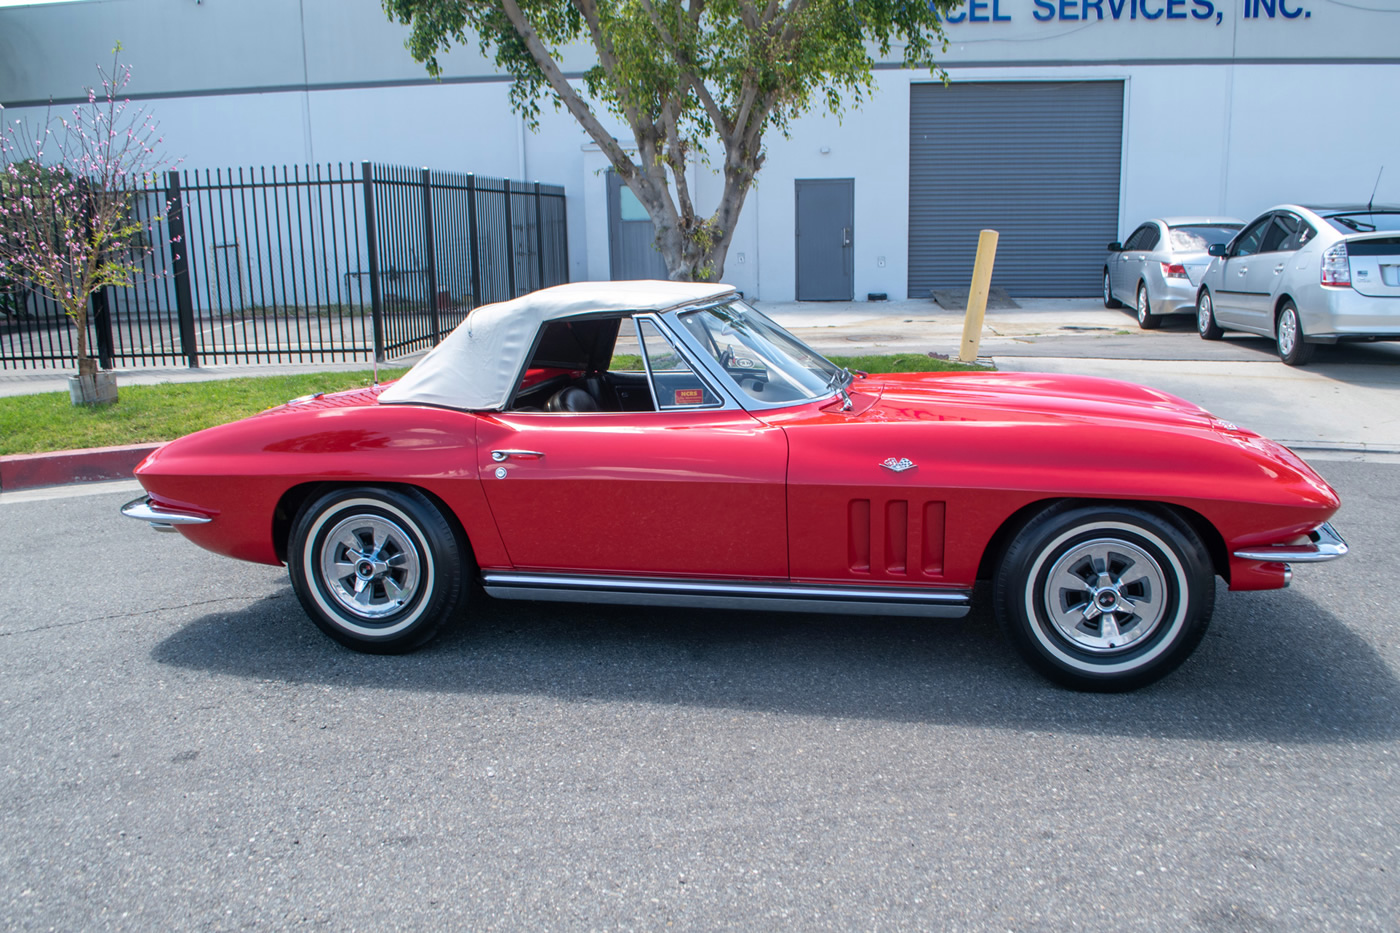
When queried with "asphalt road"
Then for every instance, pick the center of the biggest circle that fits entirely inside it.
(182, 749)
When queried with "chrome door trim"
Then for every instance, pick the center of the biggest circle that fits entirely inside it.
(655, 591)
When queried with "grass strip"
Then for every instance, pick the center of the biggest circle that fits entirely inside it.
(152, 413)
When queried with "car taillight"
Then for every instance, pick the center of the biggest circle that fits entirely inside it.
(1336, 270)
(1173, 270)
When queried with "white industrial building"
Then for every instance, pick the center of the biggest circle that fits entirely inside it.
(1066, 122)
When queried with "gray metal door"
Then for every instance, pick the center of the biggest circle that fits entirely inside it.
(1038, 162)
(632, 250)
(826, 212)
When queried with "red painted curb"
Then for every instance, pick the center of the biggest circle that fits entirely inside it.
(24, 471)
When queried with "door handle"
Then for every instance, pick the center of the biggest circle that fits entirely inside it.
(1278, 268)
(1243, 269)
(845, 236)
(499, 455)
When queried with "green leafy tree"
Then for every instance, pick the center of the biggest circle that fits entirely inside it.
(67, 188)
(681, 73)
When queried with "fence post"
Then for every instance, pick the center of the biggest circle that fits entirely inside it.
(475, 244)
(564, 233)
(510, 242)
(430, 252)
(180, 263)
(102, 323)
(376, 300)
(99, 311)
(539, 237)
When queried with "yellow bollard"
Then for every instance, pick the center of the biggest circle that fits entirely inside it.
(977, 295)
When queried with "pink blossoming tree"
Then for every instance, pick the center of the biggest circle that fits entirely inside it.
(68, 226)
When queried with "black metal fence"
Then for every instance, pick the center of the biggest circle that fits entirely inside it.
(313, 263)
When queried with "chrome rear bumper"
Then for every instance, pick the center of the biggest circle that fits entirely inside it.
(1326, 545)
(161, 519)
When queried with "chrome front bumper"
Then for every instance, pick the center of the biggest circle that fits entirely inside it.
(161, 519)
(1325, 544)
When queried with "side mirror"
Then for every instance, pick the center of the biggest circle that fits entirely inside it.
(1115, 247)
(1219, 249)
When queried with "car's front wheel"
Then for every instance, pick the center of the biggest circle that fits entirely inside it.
(1108, 300)
(1205, 318)
(1293, 349)
(1146, 319)
(1102, 597)
(378, 570)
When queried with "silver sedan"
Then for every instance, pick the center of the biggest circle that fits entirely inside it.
(1159, 267)
(1306, 276)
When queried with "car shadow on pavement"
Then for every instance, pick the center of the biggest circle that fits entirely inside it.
(1274, 667)
(1352, 362)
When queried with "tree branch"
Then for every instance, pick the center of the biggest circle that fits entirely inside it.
(687, 70)
(576, 106)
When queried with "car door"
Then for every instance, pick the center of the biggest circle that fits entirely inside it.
(1127, 265)
(1234, 303)
(695, 488)
(1265, 273)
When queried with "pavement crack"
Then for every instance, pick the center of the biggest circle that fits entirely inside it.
(131, 615)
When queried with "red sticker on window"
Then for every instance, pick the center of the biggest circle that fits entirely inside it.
(690, 397)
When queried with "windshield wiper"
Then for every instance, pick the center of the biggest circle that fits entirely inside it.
(1360, 226)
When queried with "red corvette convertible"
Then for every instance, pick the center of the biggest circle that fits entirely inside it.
(733, 467)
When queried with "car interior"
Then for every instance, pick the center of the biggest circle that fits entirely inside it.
(569, 373)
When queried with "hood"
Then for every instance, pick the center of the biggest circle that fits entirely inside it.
(1028, 398)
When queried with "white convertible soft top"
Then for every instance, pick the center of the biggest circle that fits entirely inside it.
(476, 366)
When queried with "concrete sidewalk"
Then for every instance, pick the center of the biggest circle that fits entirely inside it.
(1345, 405)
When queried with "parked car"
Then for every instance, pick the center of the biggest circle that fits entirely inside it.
(1160, 265)
(732, 467)
(1306, 276)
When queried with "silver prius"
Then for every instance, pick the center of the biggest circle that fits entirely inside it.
(1307, 276)
(1159, 267)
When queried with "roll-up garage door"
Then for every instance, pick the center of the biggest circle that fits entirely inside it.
(1036, 161)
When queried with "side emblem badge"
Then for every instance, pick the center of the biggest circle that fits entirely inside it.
(899, 465)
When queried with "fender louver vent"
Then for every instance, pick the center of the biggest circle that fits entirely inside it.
(907, 538)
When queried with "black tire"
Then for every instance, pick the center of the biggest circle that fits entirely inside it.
(1146, 319)
(1159, 590)
(1293, 347)
(1108, 300)
(409, 577)
(1205, 317)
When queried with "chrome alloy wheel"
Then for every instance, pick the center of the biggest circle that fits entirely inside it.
(369, 566)
(1205, 317)
(1287, 331)
(1105, 595)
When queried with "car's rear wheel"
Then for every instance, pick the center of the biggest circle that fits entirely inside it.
(1205, 317)
(1146, 319)
(1293, 349)
(378, 570)
(1108, 300)
(1104, 598)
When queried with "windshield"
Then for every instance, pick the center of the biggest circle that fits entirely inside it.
(769, 364)
(1197, 238)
